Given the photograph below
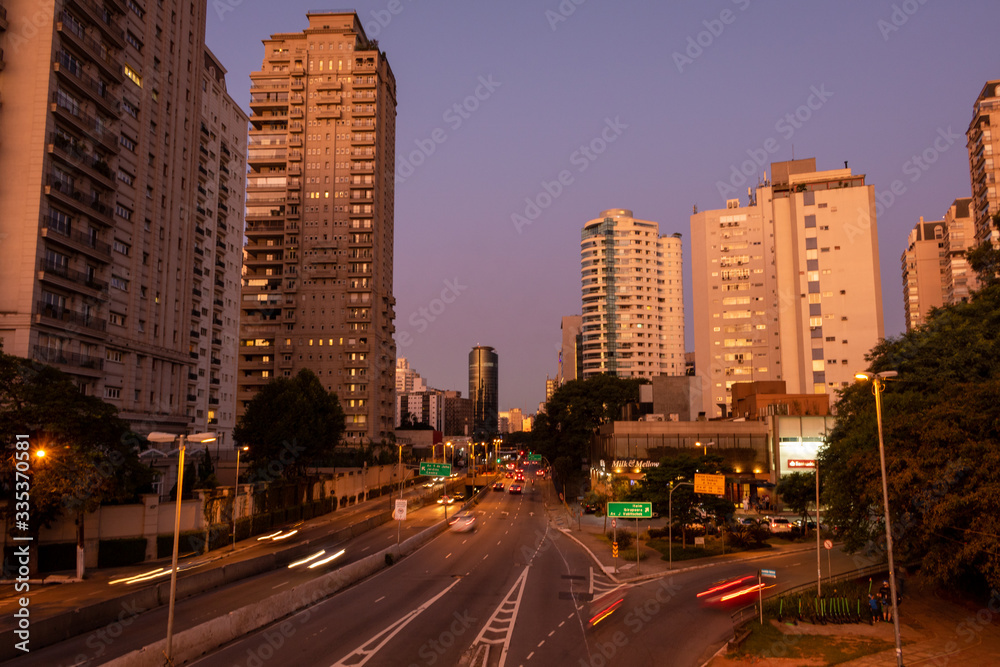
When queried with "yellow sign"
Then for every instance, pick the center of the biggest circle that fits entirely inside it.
(714, 485)
(614, 549)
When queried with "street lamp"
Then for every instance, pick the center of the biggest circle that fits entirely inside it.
(236, 494)
(878, 385)
(157, 436)
(704, 446)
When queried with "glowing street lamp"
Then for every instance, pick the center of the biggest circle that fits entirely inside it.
(878, 386)
(157, 436)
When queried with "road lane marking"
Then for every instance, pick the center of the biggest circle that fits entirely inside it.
(448, 556)
(363, 653)
(279, 585)
(540, 644)
(529, 655)
(486, 556)
(552, 633)
(561, 623)
(500, 625)
(380, 599)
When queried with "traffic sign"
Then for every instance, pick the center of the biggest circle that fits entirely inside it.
(399, 514)
(614, 549)
(614, 523)
(827, 544)
(435, 469)
(801, 463)
(770, 574)
(534, 457)
(714, 485)
(631, 510)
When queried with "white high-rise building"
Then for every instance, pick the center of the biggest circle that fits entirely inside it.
(633, 305)
(787, 288)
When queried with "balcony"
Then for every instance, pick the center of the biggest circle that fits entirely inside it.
(295, 127)
(70, 279)
(74, 319)
(49, 355)
(71, 73)
(329, 111)
(103, 19)
(74, 240)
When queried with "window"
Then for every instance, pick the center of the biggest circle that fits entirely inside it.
(132, 74)
(125, 177)
(68, 102)
(114, 355)
(117, 319)
(128, 142)
(119, 283)
(112, 392)
(122, 247)
(130, 109)
(133, 40)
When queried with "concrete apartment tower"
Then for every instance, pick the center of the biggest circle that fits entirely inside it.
(317, 284)
(121, 220)
(923, 278)
(984, 147)
(959, 280)
(787, 288)
(633, 303)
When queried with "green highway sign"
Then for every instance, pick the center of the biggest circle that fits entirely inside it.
(435, 469)
(631, 510)
(534, 457)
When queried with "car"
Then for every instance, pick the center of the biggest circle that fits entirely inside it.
(590, 508)
(498, 486)
(731, 591)
(283, 534)
(514, 488)
(540, 472)
(746, 521)
(779, 524)
(463, 522)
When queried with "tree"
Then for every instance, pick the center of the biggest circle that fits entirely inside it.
(90, 455)
(798, 491)
(984, 259)
(572, 414)
(290, 425)
(941, 427)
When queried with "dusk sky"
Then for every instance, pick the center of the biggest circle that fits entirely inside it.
(672, 98)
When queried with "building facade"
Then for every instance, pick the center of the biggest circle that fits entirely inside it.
(457, 414)
(571, 350)
(633, 306)
(484, 392)
(317, 287)
(959, 280)
(123, 241)
(983, 148)
(923, 278)
(788, 287)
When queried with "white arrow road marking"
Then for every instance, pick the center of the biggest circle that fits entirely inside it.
(500, 625)
(367, 650)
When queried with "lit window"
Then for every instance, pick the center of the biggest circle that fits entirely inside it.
(132, 74)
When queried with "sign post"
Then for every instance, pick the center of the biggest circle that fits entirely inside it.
(442, 470)
(811, 464)
(630, 510)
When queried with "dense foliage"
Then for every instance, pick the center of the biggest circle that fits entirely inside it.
(798, 492)
(289, 425)
(91, 456)
(563, 432)
(941, 427)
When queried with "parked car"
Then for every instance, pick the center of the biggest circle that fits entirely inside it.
(779, 524)
(590, 508)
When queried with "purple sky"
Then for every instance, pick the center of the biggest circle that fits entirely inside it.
(683, 116)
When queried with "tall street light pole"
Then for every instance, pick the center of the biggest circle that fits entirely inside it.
(878, 385)
(236, 495)
(170, 437)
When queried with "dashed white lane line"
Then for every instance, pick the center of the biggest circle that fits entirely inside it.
(279, 585)
(561, 623)
(380, 599)
(486, 556)
(448, 556)
(540, 644)
(552, 633)
(529, 655)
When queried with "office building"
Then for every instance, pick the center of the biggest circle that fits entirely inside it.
(317, 288)
(571, 350)
(122, 238)
(923, 278)
(484, 392)
(408, 379)
(787, 287)
(457, 414)
(983, 170)
(633, 306)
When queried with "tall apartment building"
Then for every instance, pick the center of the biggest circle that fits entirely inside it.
(317, 288)
(959, 280)
(788, 287)
(484, 385)
(457, 414)
(983, 149)
(633, 304)
(571, 350)
(923, 279)
(121, 219)
(408, 379)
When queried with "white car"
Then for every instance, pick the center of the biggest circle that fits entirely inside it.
(463, 522)
(780, 525)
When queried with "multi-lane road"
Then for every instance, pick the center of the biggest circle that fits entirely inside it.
(516, 591)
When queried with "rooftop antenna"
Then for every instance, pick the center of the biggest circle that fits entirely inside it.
(845, 164)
